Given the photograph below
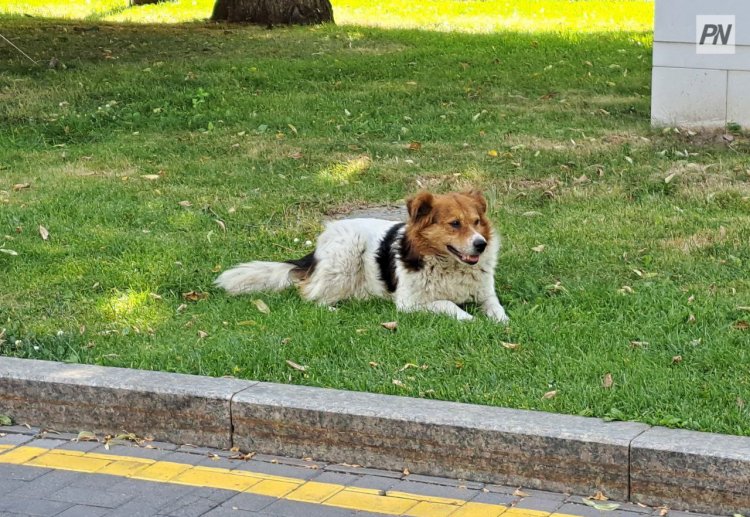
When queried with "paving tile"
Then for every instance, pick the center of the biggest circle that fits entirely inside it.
(203, 451)
(32, 506)
(584, 510)
(217, 462)
(494, 498)
(196, 503)
(542, 504)
(135, 508)
(278, 469)
(46, 443)
(90, 496)
(288, 508)
(23, 473)
(14, 439)
(20, 429)
(133, 452)
(223, 511)
(433, 490)
(364, 471)
(289, 461)
(50, 482)
(249, 502)
(165, 446)
(501, 489)
(374, 482)
(8, 485)
(79, 446)
(83, 511)
(336, 478)
(434, 480)
(181, 457)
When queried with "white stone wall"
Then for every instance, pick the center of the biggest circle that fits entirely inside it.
(692, 89)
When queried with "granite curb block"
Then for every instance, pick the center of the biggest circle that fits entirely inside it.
(628, 461)
(73, 397)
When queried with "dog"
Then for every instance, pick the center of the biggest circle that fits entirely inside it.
(443, 256)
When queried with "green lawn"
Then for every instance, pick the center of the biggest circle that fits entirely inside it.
(157, 155)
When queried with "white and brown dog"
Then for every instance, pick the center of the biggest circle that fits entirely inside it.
(443, 256)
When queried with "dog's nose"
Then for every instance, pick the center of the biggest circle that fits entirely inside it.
(480, 244)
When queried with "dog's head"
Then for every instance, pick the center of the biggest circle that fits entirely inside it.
(452, 224)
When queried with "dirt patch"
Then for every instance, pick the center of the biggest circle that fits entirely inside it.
(387, 212)
(697, 241)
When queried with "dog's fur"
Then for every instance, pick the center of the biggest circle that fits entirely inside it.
(443, 256)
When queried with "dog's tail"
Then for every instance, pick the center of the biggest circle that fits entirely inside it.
(265, 276)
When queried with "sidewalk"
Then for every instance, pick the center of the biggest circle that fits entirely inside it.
(47, 474)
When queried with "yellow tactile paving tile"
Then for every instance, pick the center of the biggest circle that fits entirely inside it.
(430, 509)
(314, 492)
(311, 492)
(20, 455)
(373, 502)
(5, 447)
(274, 488)
(479, 510)
(68, 460)
(210, 477)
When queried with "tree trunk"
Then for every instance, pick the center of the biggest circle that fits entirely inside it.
(274, 12)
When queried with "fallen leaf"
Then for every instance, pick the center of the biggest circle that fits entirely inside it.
(607, 381)
(626, 289)
(539, 248)
(182, 307)
(43, 232)
(398, 383)
(286, 341)
(86, 436)
(202, 334)
(549, 395)
(638, 344)
(21, 186)
(606, 507)
(691, 299)
(405, 472)
(296, 155)
(150, 177)
(663, 510)
(373, 364)
(520, 493)
(261, 306)
(185, 204)
(492, 153)
(414, 146)
(390, 325)
(407, 366)
(194, 296)
(670, 177)
(296, 366)
(677, 359)
(531, 213)
(741, 325)
(221, 224)
(6, 420)
(599, 496)
(691, 318)
(509, 346)
(8, 252)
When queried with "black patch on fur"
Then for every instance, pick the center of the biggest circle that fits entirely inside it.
(303, 267)
(386, 258)
(411, 260)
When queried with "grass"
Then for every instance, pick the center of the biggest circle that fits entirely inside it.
(156, 155)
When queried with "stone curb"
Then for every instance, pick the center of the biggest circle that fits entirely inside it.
(628, 461)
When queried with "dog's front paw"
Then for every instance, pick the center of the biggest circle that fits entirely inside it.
(464, 316)
(498, 314)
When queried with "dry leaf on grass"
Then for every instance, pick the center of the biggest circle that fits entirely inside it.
(194, 296)
(185, 204)
(261, 306)
(741, 325)
(43, 232)
(21, 186)
(607, 381)
(398, 383)
(677, 359)
(373, 364)
(202, 334)
(509, 346)
(539, 248)
(221, 224)
(390, 325)
(549, 395)
(298, 367)
(414, 146)
(406, 366)
(150, 177)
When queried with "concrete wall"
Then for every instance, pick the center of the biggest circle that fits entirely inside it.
(694, 89)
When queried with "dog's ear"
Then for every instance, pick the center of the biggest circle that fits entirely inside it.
(419, 206)
(478, 197)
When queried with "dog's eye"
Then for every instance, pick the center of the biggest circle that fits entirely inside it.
(455, 224)
(476, 223)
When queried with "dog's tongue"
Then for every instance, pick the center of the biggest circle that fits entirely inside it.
(470, 259)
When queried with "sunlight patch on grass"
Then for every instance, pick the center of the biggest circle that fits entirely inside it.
(343, 173)
(130, 308)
